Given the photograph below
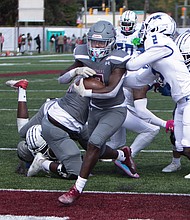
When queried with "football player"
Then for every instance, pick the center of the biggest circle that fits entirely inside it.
(139, 119)
(164, 56)
(183, 42)
(107, 110)
(35, 150)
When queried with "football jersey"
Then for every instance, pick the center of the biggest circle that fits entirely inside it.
(164, 56)
(126, 43)
(103, 68)
(67, 112)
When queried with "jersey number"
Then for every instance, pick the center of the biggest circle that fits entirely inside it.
(154, 39)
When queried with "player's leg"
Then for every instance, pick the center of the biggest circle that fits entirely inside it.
(42, 163)
(175, 164)
(118, 139)
(108, 123)
(22, 110)
(64, 148)
(146, 132)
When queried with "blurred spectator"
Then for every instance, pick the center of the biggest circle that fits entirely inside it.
(56, 43)
(78, 41)
(38, 42)
(69, 44)
(65, 49)
(84, 39)
(52, 43)
(29, 42)
(19, 42)
(1, 42)
(60, 43)
(23, 43)
(73, 42)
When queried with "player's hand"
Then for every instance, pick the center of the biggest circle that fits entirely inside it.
(80, 89)
(169, 126)
(85, 71)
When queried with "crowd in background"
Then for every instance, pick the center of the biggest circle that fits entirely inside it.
(58, 43)
(65, 44)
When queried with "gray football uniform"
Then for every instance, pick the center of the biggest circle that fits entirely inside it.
(64, 123)
(106, 115)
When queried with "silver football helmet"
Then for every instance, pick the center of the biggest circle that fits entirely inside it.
(35, 141)
(128, 22)
(183, 42)
(161, 23)
(101, 39)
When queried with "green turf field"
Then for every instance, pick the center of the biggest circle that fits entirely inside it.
(106, 176)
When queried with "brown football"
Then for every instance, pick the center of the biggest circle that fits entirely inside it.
(92, 83)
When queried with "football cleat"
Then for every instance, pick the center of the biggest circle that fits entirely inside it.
(23, 83)
(173, 167)
(187, 176)
(70, 197)
(128, 166)
(36, 165)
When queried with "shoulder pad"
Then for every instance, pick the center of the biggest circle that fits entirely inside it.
(118, 57)
(156, 40)
(81, 52)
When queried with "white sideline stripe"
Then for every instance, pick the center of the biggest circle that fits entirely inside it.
(144, 151)
(11, 109)
(37, 56)
(31, 217)
(62, 90)
(97, 192)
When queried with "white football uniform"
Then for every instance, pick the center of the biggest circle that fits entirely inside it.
(164, 56)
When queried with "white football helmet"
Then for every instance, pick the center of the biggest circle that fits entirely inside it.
(35, 141)
(183, 42)
(128, 22)
(101, 33)
(161, 23)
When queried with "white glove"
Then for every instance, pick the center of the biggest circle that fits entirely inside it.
(82, 71)
(80, 89)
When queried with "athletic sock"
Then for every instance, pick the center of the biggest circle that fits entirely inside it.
(21, 95)
(80, 184)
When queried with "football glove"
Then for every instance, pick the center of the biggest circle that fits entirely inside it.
(82, 71)
(80, 89)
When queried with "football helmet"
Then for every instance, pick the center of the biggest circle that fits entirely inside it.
(161, 23)
(183, 42)
(128, 22)
(101, 39)
(35, 141)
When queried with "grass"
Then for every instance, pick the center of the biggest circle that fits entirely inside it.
(106, 176)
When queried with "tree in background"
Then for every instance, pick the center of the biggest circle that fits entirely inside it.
(8, 12)
(64, 12)
(61, 12)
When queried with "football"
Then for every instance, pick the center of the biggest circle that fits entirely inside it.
(92, 83)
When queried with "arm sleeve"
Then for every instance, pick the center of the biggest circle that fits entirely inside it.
(149, 56)
(65, 78)
(145, 114)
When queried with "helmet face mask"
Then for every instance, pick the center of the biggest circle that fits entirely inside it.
(183, 42)
(101, 39)
(160, 22)
(128, 22)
